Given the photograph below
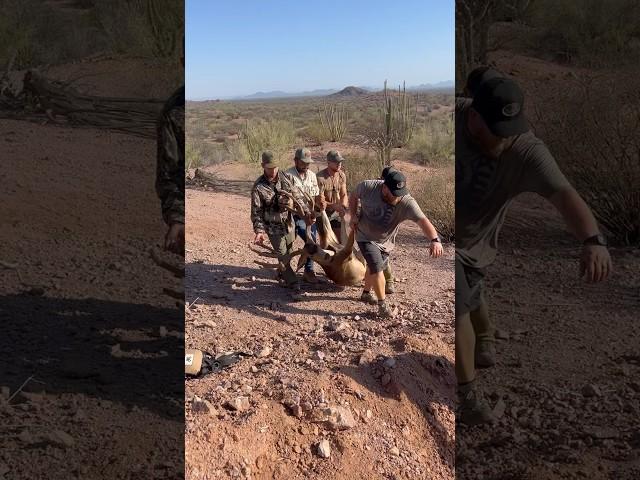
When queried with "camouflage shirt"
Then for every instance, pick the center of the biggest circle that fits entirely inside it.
(170, 158)
(266, 214)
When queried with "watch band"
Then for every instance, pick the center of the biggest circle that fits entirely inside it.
(598, 239)
(437, 239)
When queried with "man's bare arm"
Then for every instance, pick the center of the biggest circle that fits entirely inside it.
(427, 227)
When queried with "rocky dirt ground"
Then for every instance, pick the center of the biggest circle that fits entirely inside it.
(330, 391)
(81, 308)
(565, 387)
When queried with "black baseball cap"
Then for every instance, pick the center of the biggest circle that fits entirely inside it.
(500, 102)
(397, 183)
(386, 170)
(480, 75)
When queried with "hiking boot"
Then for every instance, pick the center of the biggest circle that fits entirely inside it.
(383, 310)
(389, 287)
(388, 277)
(367, 297)
(310, 277)
(485, 353)
(474, 409)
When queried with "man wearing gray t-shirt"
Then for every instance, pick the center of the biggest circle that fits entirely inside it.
(384, 205)
(497, 158)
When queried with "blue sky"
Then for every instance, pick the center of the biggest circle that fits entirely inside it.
(239, 47)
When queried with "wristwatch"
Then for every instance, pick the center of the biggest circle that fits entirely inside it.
(598, 239)
(437, 239)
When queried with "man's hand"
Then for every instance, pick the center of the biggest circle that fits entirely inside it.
(322, 203)
(310, 219)
(595, 263)
(340, 209)
(174, 239)
(260, 238)
(435, 249)
(353, 222)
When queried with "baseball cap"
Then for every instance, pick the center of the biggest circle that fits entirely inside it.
(267, 160)
(387, 170)
(304, 155)
(500, 102)
(397, 183)
(480, 75)
(334, 156)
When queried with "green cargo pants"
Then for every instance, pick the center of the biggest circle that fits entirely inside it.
(283, 245)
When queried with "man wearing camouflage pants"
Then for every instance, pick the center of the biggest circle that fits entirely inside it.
(270, 219)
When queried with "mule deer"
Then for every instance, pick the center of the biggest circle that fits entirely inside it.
(341, 263)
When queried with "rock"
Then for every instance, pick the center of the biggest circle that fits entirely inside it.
(265, 352)
(499, 409)
(369, 414)
(389, 363)
(163, 331)
(501, 334)
(318, 355)
(339, 418)
(357, 318)
(254, 369)
(297, 411)
(60, 439)
(394, 451)
(239, 404)
(199, 405)
(246, 389)
(297, 449)
(591, 391)
(324, 449)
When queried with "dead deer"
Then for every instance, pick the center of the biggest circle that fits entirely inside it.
(341, 264)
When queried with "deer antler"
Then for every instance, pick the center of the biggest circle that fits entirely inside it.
(177, 270)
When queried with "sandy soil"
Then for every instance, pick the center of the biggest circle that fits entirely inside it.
(322, 350)
(82, 309)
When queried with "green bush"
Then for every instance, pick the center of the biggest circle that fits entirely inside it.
(433, 143)
(278, 136)
(436, 197)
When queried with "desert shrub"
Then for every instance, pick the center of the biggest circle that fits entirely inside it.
(277, 136)
(316, 133)
(436, 196)
(434, 141)
(359, 167)
(595, 137)
(590, 31)
(333, 119)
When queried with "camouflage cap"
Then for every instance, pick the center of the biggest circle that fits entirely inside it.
(267, 160)
(334, 156)
(304, 155)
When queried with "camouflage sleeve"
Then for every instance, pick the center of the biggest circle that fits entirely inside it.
(257, 211)
(170, 172)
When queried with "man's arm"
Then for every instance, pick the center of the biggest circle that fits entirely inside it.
(595, 260)
(257, 212)
(169, 174)
(427, 228)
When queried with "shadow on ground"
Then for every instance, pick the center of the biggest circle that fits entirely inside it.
(108, 350)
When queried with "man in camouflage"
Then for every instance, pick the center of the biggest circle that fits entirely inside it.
(270, 219)
(170, 168)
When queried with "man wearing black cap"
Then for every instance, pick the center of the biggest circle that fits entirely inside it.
(497, 158)
(384, 205)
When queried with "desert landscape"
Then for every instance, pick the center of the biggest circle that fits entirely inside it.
(330, 391)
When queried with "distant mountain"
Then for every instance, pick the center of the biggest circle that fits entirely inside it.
(447, 84)
(281, 94)
(350, 92)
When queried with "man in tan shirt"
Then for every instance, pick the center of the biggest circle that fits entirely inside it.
(332, 183)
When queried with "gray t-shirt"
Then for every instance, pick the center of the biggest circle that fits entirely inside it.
(379, 221)
(486, 186)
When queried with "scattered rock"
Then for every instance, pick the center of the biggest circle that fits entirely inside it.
(265, 352)
(324, 449)
(199, 405)
(389, 363)
(339, 418)
(239, 404)
(59, 438)
(297, 411)
(394, 451)
(501, 334)
(254, 369)
(318, 355)
(499, 409)
(591, 391)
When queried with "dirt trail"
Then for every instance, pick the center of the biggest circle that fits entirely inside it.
(322, 350)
